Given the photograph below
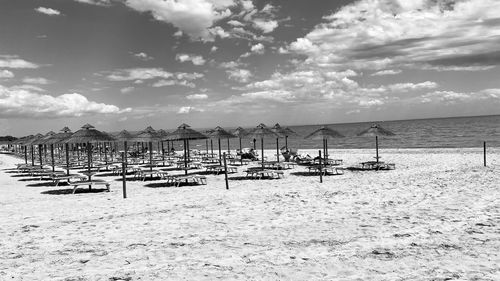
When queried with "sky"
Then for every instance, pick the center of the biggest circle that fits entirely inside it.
(128, 64)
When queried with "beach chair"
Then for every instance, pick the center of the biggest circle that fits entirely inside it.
(90, 183)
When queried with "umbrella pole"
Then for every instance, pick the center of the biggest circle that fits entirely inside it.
(32, 156)
(25, 155)
(67, 158)
(376, 147)
(40, 153)
(89, 157)
(241, 156)
(211, 148)
(326, 151)
(206, 143)
(162, 153)
(254, 144)
(228, 147)
(124, 169)
(151, 157)
(52, 157)
(220, 156)
(185, 157)
(277, 150)
(286, 143)
(262, 149)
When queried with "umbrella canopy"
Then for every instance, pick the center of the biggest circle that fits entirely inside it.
(88, 134)
(279, 130)
(147, 135)
(45, 138)
(162, 133)
(34, 139)
(260, 132)
(375, 130)
(124, 135)
(22, 140)
(324, 133)
(240, 132)
(7, 139)
(59, 137)
(220, 133)
(184, 132)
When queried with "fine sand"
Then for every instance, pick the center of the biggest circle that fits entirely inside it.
(436, 217)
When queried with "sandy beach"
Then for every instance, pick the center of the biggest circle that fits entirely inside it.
(436, 217)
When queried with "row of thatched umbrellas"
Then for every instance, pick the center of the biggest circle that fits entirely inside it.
(90, 136)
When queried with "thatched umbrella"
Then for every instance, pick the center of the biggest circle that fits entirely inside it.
(148, 135)
(261, 132)
(42, 142)
(219, 133)
(375, 131)
(89, 135)
(281, 132)
(59, 138)
(324, 134)
(185, 133)
(31, 142)
(240, 133)
(22, 142)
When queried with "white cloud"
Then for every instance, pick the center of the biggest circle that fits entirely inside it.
(36, 80)
(15, 62)
(213, 49)
(387, 72)
(247, 5)
(403, 87)
(378, 34)
(26, 104)
(126, 90)
(6, 74)
(274, 95)
(235, 23)
(142, 56)
(197, 97)
(48, 11)
(266, 26)
(229, 64)
(164, 83)
(188, 109)
(257, 48)
(193, 17)
(241, 75)
(195, 59)
(138, 74)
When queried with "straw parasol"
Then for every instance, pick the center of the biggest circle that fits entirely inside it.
(89, 135)
(31, 142)
(58, 138)
(261, 132)
(281, 132)
(185, 133)
(324, 134)
(219, 133)
(375, 131)
(148, 135)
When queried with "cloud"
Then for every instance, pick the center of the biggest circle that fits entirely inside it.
(492, 96)
(36, 80)
(255, 49)
(195, 59)
(15, 62)
(96, 2)
(6, 74)
(275, 95)
(213, 49)
(235, 23)
(404, 87)
(188, 109)
(138, 74)
(193, 17)
(142, 56)
(378, 34)
(163, 83)
(197, 97)
(266, 26)
(48, 11)
(387, 72)
(126, 90)
(22, 103)
(241, 75)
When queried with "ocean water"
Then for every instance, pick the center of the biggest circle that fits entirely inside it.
(457, 132)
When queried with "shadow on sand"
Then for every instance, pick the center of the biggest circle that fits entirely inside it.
(70, 191)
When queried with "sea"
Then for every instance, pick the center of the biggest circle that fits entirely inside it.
(455, 132)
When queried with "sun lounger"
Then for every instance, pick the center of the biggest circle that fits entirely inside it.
(60, 178)
(77, 184)
(259, 174)
(325, 170)
(217, 169)
(373, 166)
(193, 178)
